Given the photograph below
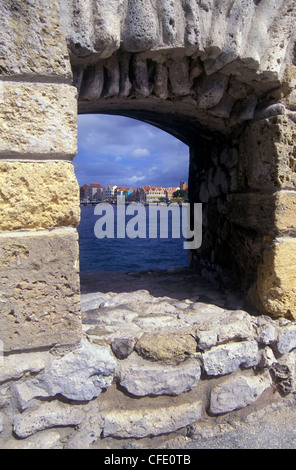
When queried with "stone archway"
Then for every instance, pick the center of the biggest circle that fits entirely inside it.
(212, 79)
(221, 77)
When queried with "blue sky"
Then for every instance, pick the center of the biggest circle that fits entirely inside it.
(122, 151)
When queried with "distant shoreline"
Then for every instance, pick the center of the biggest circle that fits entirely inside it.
(94, 203)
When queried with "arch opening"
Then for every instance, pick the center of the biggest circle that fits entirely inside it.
(133, 180)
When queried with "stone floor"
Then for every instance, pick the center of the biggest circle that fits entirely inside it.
(175, 301)
(177, 283)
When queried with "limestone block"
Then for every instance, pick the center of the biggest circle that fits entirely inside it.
(165, 347)
(267, 154)
(212, 90)
(25, 392)
(48, 415)
(140, 31)
(16, 366)
(145, 422)
(39, 289)
(276, 288)
(237, 392)
(287, 339)
(93, 83)
(224, 359)
(38, 119)
(140, 377)
(265, 213)
(179, 77)
(48, 439)
(81, 374)
(31, 40)
(38, 195)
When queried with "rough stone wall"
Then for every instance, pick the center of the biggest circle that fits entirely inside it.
(39, 289)
(247, 187)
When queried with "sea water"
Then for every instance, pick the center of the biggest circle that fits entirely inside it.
(127, 254)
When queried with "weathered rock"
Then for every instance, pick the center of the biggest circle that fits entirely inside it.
(81, 374)
(287, 339)
(122, 347)
(47, 439)
(33, 42)
(38, 195)
(48, 415)
(89, 429)
(38, 119)
(130, 298)
(141, 423)
(160, 88)
(171, 349)
(92, 83)
(237, 392)
(266, 213)
(212, 90)
(224, 359)
(267, 358)
(93, 301)
(267, 330)
(284, 373)
(264, 160)
(179, 77)
(276, 274)
(206, 339)
(26, 391)
(140, 377)
(33, 265)
(16, 366)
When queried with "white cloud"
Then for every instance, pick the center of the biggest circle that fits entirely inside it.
(114, 150)
(135, 179)
(138, 153)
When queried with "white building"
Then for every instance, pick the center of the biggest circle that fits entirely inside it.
(109, 193)
(149, 194)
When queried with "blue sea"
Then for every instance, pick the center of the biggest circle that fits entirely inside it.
(126, 254)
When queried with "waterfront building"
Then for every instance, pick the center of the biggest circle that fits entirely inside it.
(126, 191)
(109, 193)
(85, 192)
(96, 192)
(149, 194)
(170, 191)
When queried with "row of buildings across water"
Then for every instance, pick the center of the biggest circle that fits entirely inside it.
(145, 194)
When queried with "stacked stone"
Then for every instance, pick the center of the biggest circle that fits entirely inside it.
(163, 364)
